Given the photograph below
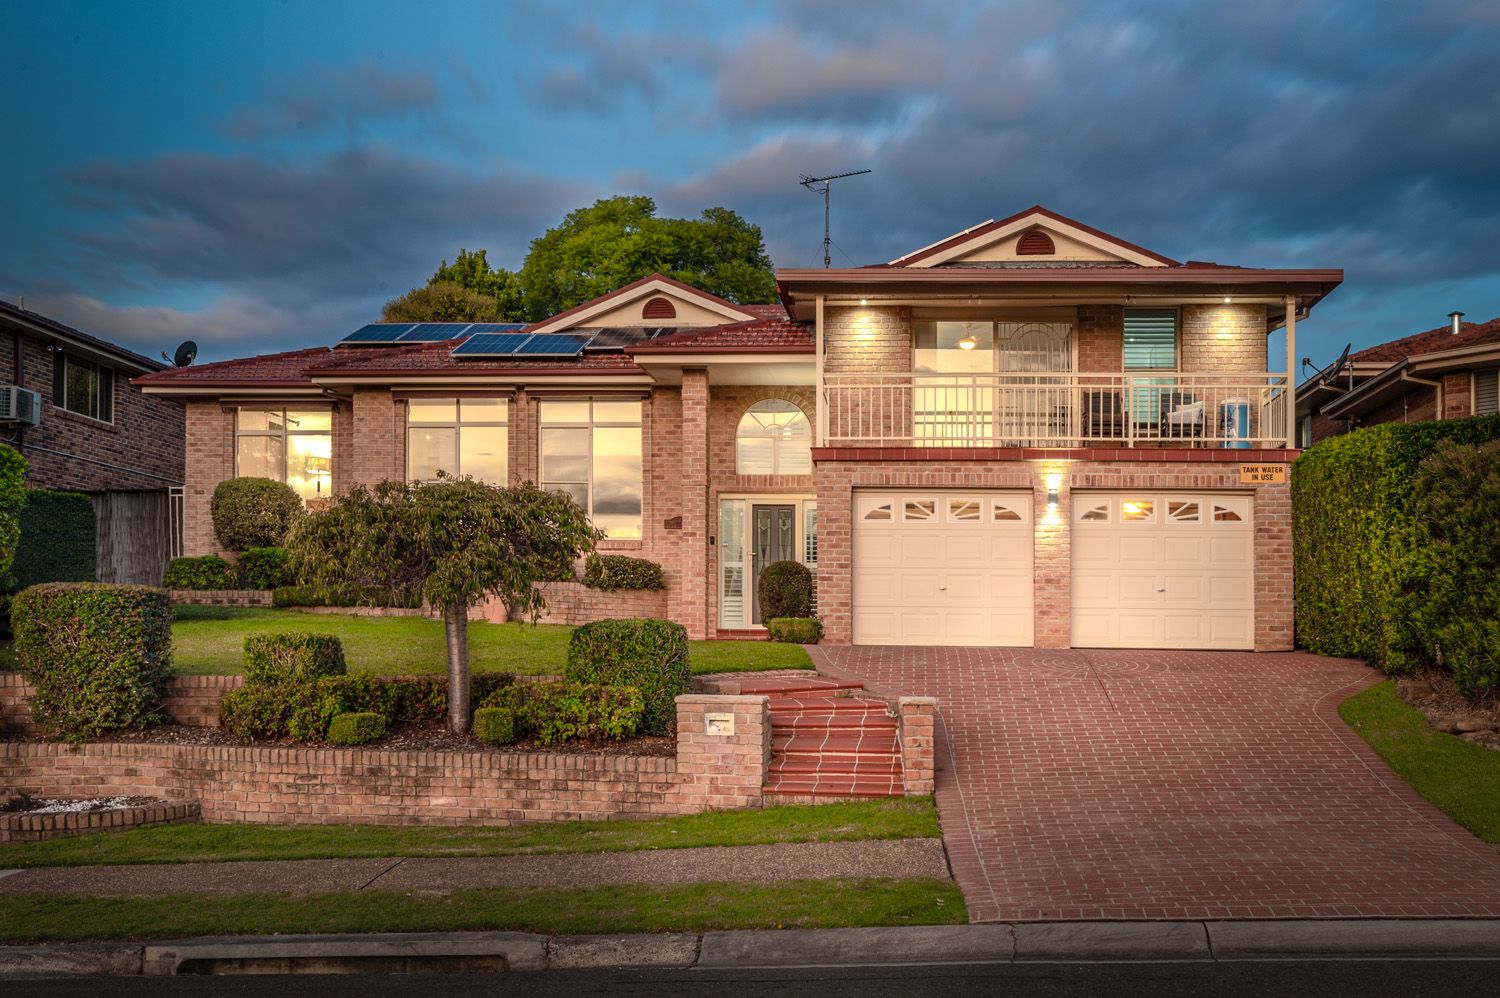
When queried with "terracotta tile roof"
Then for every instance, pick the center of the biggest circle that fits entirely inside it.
(1431, 341)
(279, 369)
(437, 358)
(777, 334)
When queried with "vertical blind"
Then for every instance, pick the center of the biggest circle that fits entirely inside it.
(1150, 339)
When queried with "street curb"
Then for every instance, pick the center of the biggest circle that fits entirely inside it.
(1475, 939)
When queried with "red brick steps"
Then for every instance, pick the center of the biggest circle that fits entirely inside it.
(829, 743)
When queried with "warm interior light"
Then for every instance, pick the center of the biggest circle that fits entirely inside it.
(863, 301)
(1226, 300)
(968, 343)
(1133, 508)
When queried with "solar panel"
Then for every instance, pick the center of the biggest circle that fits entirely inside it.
(378, 332)
(495, 327)
(552, 345)
(619, 337)
(491, 345)
(429, 332)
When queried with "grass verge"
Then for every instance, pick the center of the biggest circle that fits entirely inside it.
(1461, 779)
(560, 911)
(210, 640)
(913, 817)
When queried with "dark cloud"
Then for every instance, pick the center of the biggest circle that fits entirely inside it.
(330, 97)
(598, 70)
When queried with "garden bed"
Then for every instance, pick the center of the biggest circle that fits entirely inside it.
(24, 818)
(1447, 710)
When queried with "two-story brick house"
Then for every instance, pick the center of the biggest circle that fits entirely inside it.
(1030, 433)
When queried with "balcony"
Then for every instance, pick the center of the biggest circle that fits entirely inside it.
(1138, 409)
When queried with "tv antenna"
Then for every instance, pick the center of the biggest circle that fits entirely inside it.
(813, 184)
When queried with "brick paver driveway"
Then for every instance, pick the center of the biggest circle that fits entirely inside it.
(1088, 784)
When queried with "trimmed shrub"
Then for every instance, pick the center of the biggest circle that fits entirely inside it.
(253, 512)
(355, 729)
(292, 656)
(616, 571)
(266, 568)
(567, 711)
(99, 655)
(346, 596)
(12, 499)
(795, 630)
(785, 590)
(57, 539)
(256, 712)
(1357, 555)
(496, 725)
(208, 572)
(649, 655)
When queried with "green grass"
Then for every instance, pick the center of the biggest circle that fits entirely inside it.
(210, 640)
(562, 911)
(1461, 779)
(905, 818)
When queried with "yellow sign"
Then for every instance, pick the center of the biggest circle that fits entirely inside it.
(1262, 474)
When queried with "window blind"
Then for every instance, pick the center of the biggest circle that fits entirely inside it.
(1487, 392)
(1150, 339)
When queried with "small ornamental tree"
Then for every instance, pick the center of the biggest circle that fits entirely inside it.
(452, 542)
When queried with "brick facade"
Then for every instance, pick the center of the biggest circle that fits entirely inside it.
(1100, 331)
(141, 449)
(1219, 339)
(371, 786)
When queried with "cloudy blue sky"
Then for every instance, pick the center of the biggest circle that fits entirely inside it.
(261, 175)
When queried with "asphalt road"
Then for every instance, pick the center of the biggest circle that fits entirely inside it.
(1326, 979)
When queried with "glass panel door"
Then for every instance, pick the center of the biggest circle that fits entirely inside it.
(773, 539)
(1035, 405)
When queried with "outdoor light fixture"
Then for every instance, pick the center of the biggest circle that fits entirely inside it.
(1054, 482)
(1226, 300)
(968, 343)
(863, 301)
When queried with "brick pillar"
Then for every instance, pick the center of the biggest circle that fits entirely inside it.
(209, 460)
(524, 454)
(343, 445)
(918, 719)
(1052, 568)
(1273, 568)
(379, 450)
(723, 751)
(690, 602)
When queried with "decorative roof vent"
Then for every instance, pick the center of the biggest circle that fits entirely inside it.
(659, 308)
(1035, 243)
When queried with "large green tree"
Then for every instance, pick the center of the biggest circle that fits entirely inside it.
(453, 542)
(592, 252)
(618, 240)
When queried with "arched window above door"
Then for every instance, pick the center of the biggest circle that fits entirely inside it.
(774, 438)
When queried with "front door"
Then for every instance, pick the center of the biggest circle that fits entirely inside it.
(773, 539)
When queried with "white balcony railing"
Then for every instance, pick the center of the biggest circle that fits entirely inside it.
(1055, 410)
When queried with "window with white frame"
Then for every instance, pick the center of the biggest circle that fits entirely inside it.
(458, 437)
(591, 449)
(774, 438)
(83, 386)
(1487, 392)
(289, 445)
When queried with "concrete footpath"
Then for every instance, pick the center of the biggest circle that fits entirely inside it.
(950, 944)
(905, 859)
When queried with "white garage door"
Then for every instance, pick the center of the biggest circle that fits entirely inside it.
(1163, 570)
(942, 568)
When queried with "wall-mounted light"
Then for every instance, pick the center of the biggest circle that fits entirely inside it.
(864, 301)
(1227, 301)
(1054, 482)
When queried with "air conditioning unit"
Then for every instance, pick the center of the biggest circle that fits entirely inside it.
(21, 405)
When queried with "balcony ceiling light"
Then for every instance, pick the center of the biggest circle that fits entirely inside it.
(968, 343)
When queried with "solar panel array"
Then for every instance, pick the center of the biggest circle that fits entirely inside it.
(503, 339)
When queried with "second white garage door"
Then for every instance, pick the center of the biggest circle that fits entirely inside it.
(1163, 570)
(942, 568)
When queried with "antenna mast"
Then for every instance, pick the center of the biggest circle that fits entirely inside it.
(813, 184)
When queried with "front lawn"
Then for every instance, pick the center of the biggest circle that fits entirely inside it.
(210, 640)
(1461, 779)
(905, 818)
(561, 911)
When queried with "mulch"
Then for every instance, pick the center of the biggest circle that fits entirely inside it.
(1437, 696)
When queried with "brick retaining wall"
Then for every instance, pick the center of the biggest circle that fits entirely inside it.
(192, 700)
(222, 597)
(33, 827)
(360, 786)
(916, 719)
(573, 604)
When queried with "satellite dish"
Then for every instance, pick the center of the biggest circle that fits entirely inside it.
(185, 354)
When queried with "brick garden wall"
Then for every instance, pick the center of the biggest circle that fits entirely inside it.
(31, 827)
(191, 700)
(357, 786)
(573, 603)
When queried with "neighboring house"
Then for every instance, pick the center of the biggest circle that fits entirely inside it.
(1443, 373)
(1030, 433)
(84, 427)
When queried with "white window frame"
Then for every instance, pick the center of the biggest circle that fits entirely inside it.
(285, 433)
(777, 441)
(457, 426)
(805, 511)
(591, 425)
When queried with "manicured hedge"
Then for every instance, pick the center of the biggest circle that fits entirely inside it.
(57, 539)
(347, 596)
(1355, 541)
(12, 498)
(356, 728)
(292, 657)
(795, 630)
(99, 655)
(650, 655)
(616, 571)
(206, 572)
(253, 512)
(560, 712)
(266, 568)
(785, 590)
(496, 725)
